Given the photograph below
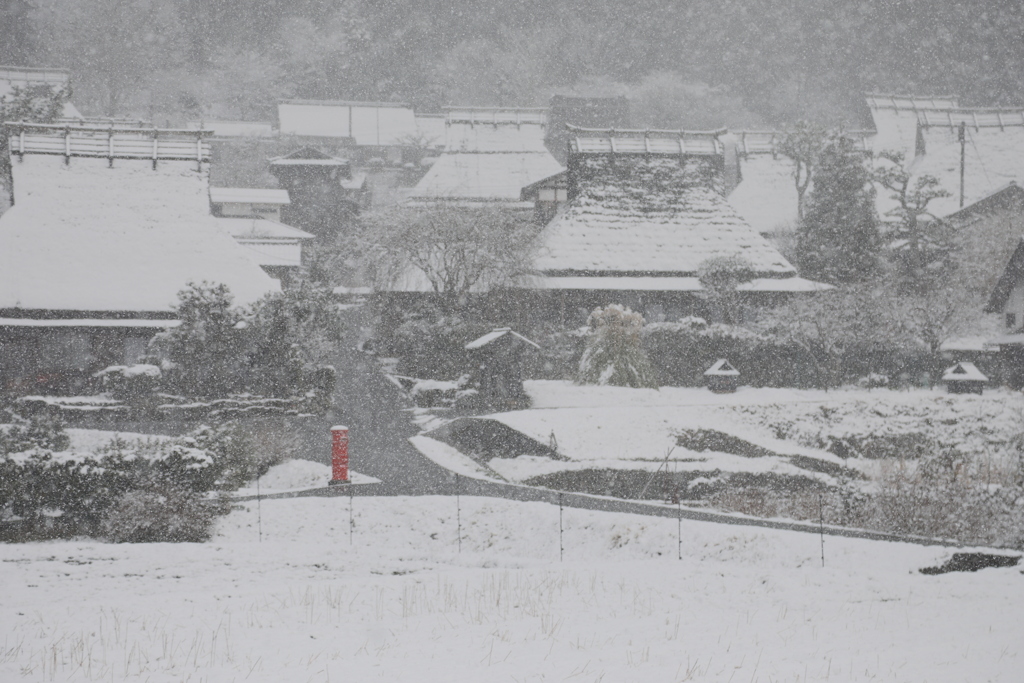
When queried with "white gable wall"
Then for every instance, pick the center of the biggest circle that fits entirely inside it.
(368, 124)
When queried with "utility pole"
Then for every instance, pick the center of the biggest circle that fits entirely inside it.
(962, 137)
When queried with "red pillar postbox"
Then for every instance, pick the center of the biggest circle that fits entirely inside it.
(339, 455)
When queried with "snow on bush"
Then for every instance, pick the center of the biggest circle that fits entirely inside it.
(614, 353)
(123, 489)
(130, 382)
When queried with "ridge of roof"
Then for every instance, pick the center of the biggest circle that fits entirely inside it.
(495, 116)
(644, 141)
(348, 103)
(767, 141)
(910, 102)
(975, 117)
(111, 141)
(30, 74)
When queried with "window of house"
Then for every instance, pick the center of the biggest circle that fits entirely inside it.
(1011, 320)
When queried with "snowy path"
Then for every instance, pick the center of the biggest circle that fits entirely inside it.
(379, 423)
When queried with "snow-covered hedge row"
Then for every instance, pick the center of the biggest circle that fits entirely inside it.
(139, 489)
(69, 493)
(682, 351)
(85, 410)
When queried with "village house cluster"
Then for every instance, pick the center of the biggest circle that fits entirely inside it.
(110, 218)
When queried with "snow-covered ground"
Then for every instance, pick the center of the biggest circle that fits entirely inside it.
(616, 428)
(401, 603)
(298, 475)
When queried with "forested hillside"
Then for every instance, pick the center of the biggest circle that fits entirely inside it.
(686, 62)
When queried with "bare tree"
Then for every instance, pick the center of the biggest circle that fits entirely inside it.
(919, 239)
(803, 144)
(457, 249)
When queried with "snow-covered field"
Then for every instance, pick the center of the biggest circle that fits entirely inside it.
(616, 428)
(401, 603)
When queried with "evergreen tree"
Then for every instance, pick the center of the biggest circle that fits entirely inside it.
(838, 239)
(207, 352)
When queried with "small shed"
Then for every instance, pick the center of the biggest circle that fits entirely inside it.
(964, 378)
(497, 375)
(722, 377)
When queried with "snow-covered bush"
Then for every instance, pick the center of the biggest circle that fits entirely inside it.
(243, 451)
(873, 380)
(39, 431)
(208, 350)
(67, 493)
(130, 383)
(431, 345)
(614, 353)
(160, 514)
(279, 348)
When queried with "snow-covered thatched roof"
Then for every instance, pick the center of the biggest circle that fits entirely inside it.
(308, 156)
(88, 234)
(993, 156)
(648, 216)
(766, 195)
(895, 118)
(490, 155)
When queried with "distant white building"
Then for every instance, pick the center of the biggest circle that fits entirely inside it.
(927, 131)
(108, 225)
(253, 217)
(490, 155)
(380, 128)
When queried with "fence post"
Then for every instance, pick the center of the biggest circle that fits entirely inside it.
(561, 547)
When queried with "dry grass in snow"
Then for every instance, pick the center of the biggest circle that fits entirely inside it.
(401, 603)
